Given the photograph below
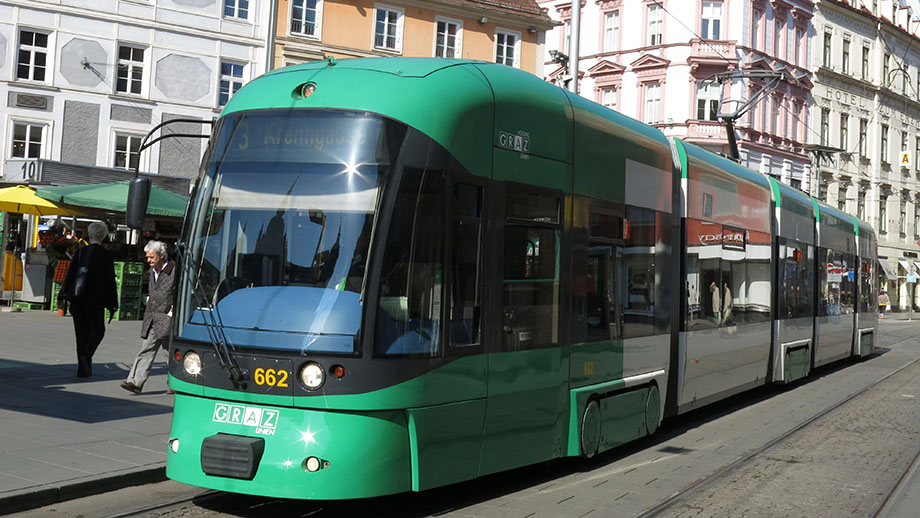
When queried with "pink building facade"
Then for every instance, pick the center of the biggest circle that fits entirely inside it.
(655, 61)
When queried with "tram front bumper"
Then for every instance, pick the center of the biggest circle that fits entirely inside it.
(283, 452)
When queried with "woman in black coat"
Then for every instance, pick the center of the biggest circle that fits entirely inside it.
(89, 301)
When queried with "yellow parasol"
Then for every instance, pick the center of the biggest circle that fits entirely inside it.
(22, 199)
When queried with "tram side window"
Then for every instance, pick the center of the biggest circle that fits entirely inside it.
(728, 276)
(836, 280)
(409, 301)
(602, 315)
(867, 294)
(466, 297)
(530, 292)
(797, 279)
(635, 267)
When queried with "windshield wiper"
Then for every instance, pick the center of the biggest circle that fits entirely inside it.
(210, 317)
(212, 322)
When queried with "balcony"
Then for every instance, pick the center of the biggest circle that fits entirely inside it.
(700, 129)
(712, 53)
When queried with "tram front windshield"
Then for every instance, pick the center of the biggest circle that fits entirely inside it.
(280, 228)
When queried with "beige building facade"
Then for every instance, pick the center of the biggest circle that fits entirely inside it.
(508, 32)
(866, 105)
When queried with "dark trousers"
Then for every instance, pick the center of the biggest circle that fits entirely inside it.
(89, 328)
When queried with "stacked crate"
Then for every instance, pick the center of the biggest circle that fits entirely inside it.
(128, 279)
(60, 273)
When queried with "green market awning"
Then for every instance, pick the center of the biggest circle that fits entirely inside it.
(113, 197)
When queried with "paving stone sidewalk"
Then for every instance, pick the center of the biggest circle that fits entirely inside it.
(66, 437)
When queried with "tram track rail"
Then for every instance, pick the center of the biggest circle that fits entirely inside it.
(707, 481)
(162, 506)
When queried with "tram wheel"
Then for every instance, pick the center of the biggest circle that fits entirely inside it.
(591, 429)
(652, 410)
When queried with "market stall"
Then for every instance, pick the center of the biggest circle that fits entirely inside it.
(25, 268)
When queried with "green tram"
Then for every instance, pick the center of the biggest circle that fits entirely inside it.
(405, 273)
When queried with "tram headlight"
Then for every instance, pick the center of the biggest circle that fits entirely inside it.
(312, 375)
(192, 363)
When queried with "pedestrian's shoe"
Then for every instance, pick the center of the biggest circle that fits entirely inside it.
(130, 387)
(84, 367)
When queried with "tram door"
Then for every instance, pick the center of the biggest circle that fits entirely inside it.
(528, 372)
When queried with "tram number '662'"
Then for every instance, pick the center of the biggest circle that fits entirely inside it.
(271, 377)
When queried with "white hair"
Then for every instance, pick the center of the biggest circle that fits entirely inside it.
(157, 247)
(97, 230)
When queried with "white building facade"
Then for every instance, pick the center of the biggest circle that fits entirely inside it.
(82, 81)
(867, 105)
(634, 54)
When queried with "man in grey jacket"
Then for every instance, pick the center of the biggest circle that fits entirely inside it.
(161, 283)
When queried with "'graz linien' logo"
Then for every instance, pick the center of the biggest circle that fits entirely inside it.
(519, 142)
(265, 421)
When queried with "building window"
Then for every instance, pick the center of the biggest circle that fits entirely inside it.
(827, 50)
(611, 31)
(776, 116)
(842, 197)
(883, 145)
(796, 183)
(711, 20)
(800, 48)
(778, 47)
(447, 38)
(305, 17)
(861, 203)
(755, 29)
(825, 125)
(753, 110)
(902, 223)
(917, 152)
(844, 131)
(883, 214)
(567, 35)
(33, 56)
(27, 140)
(130, 70)
(127, 151)
(652, 102)
(231, 79)
(507, 48)
(708, 94)
(916, 218)
(388, 28)
(846, 56)
(903, 142)
(885, 70)
(865, 63)
(655, 24)
(609, 97)
(863, 129)
(236, 9)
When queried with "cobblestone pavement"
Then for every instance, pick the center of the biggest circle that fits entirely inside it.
(843, 464)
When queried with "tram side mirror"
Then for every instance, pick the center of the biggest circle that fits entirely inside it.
(138, 198)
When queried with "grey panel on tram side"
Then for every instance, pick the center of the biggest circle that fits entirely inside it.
(723, 361)
(795, 329)
(835, 338)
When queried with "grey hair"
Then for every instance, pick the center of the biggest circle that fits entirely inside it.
(97, 230)
(157, 247)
